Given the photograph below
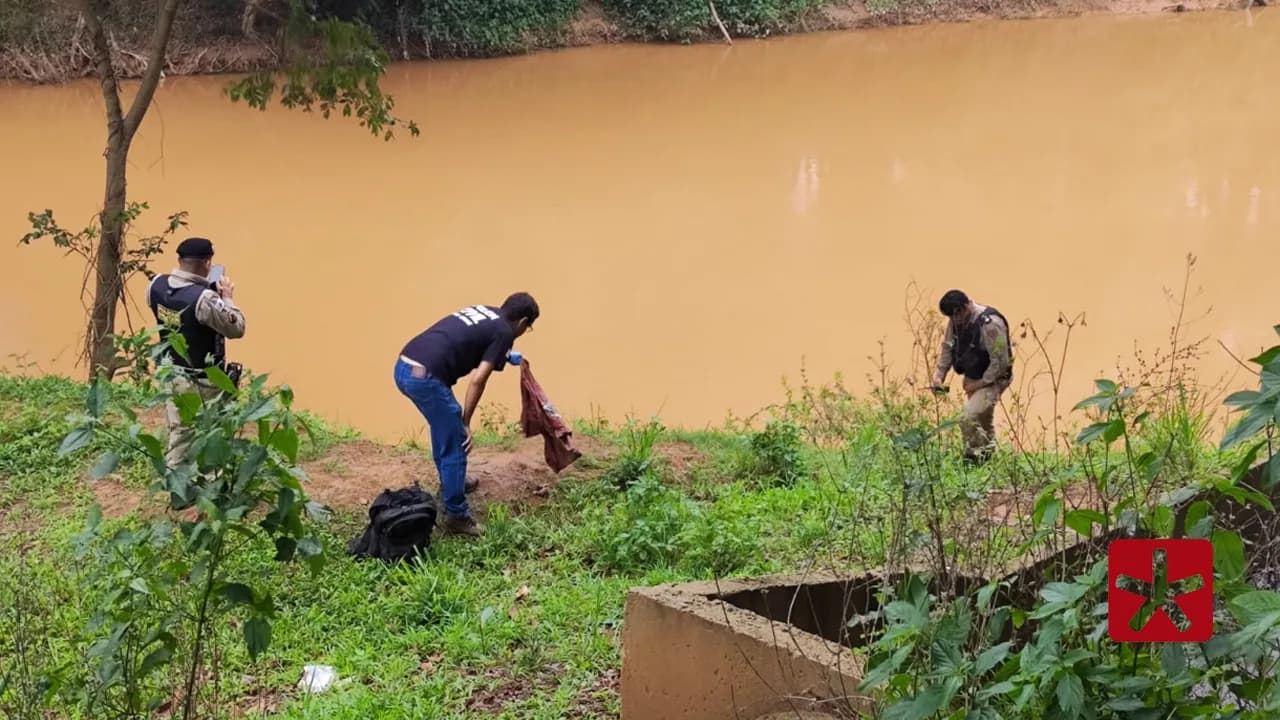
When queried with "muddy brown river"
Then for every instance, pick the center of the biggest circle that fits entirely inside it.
(698, 221)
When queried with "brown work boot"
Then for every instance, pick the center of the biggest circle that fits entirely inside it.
(470, 484)
(461, 525)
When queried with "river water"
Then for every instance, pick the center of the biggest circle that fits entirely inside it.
(698, 221)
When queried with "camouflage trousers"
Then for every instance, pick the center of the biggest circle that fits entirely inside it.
(181, 436)
(977, 420)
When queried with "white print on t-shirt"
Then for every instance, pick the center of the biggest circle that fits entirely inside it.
(474, 314)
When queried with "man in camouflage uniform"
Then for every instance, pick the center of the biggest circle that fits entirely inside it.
(205, 315)
(977, 346)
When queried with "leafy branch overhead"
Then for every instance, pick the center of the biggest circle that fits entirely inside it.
(330, 66)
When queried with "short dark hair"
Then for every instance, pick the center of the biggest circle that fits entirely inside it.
(952, 302)
(520, 306)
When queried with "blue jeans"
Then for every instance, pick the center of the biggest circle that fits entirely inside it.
(437, 404)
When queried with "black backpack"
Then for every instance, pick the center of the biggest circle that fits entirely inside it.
(400, 524)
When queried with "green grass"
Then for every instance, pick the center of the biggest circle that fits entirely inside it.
(455, 635)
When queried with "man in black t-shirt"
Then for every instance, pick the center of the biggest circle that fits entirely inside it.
(476, 338)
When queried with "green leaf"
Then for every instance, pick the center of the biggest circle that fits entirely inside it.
(1267, 357)
(884, 669)
(310, 547)
(905, 613)
(157, 658)
(152, 445)
(1071, 695)
(76, 440)
(216, 451)
(991, 657)
(285, 439)
(1082, 521)
(1062, 592)
(1162, 521)
(1252, 606)
(1126, 704)
(188, 405)
(261, 408)
(1252, 634)
(1244, 398)
(984, 595)
(140, 586)
(1105, 387)
(179, 345)
(250, 466)
(1272, 476)
(220, 379)
(257, 636)
(237, 594)
(97, 399)
(1228, 555)
(1000, 688)
(945, 656)
(1198, 512)
(1173, 659)
(919, 707)
(1253, 423)
(1045, 514)
(105, 465)
(1113, 431)
(1092, 432)
(313, 552)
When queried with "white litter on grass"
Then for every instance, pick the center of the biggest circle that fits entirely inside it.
(317, 678)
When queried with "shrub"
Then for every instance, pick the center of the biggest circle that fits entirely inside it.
(777, 454)
(492, 27)
(686, 20)
(643, 530)
(637, 459)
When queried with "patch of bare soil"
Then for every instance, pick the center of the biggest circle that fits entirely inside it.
(117, 499)
(680, 456)
(593, 702)
(593, 26)
(504, 690)
(352, 474)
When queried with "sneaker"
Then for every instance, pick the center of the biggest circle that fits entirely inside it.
(461, 525)
(470, 484)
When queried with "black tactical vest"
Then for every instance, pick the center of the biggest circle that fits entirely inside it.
(175, 308)
(968, 357)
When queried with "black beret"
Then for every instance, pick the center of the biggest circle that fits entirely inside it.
(197, 248)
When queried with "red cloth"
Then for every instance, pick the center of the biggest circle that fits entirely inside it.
(539, 417)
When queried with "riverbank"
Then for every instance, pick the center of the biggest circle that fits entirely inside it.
(43, 45)
(525, 622)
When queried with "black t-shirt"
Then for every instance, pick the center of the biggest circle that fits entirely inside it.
(458, 343)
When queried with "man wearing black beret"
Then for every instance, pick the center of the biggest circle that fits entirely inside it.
(203, 312)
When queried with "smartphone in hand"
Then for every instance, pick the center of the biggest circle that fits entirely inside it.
(215, 275)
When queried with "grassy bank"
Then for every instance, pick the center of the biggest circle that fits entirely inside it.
(526, 621)
(44, 42)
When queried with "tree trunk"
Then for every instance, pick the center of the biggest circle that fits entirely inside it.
(109, 284)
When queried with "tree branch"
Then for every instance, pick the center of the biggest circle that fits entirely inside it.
(102, 59)
(155, 65)
(716, 16)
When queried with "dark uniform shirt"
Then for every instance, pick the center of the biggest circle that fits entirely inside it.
(458, 343)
